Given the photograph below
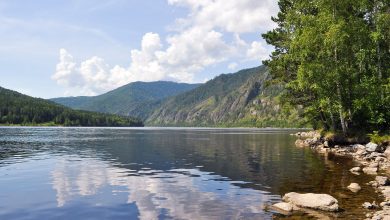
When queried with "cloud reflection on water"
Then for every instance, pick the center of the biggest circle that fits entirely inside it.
(179, 193)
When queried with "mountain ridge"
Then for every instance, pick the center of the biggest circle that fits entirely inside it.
(232, 99)
(134, 99)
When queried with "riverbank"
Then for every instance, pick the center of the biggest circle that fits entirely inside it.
(372, 159)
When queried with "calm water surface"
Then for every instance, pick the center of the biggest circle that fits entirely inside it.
(150, 173)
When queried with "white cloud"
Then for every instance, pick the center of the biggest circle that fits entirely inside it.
(257, 51)
(188, 53)
(199, 41)
(230, 15)
(88, 78)
(232, 66)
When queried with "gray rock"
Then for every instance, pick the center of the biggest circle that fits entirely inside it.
(380, 159)
(354, 187)
(387, 203)
(356, 169)
(370, 170)
(361, 152)
(322, 202)
(371, 147)
(326, 144)
(373, 165)
(367, 205)
(382, 180)
(283, 206)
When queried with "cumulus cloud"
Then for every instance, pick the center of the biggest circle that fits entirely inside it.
(230, 15)
(88, 78)
(198, 41)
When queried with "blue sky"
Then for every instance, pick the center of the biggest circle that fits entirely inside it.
(52, 48)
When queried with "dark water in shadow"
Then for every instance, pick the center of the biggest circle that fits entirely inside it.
(97, 173)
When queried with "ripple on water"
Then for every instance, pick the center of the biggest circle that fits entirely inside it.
(76, 173)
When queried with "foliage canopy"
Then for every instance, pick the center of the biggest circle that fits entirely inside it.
(334, 57)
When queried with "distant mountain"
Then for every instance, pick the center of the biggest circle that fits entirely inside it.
(137, 99)
(16, 108)
(239, 99)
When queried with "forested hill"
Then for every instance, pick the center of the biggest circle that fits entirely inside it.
(239, 99)
(19, 109)
(135, 99)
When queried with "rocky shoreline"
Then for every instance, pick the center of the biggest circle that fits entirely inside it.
(373, 159)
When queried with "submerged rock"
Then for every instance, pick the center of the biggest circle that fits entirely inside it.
(354, 187)
(322, 202)
(283, 206)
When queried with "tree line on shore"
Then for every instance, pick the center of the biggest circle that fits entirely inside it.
(334, 59)
(19, 109)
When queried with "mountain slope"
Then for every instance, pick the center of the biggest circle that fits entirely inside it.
(135, 99)
(16, 108)
(239, 99)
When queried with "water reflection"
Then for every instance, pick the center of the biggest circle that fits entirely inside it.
(89, 173)
(176, 193)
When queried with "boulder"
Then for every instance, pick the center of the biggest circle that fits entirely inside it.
(386, 203)
(301, 143)
(380, 159)
(382, 180)
(361, 152)
(367, 205)
(372, 147)
(370, 170)
(322, 202)
(356, 169)
(354, 187)
(373, 165)
(358, 147)
(283, 206)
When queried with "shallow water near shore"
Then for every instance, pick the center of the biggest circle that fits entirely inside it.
(175, 173)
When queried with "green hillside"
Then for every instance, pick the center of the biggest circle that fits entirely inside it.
(135, 99)
(239, 99)
(19, 109)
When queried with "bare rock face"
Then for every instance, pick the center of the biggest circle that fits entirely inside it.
(354, 187)
(283, 206)
(322, 202)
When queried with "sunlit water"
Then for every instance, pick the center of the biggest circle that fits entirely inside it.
(147, 173)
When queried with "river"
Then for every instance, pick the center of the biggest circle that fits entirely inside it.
(165, 173)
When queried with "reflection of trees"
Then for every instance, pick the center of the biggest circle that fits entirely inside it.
(266, 159)
(261, 159)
